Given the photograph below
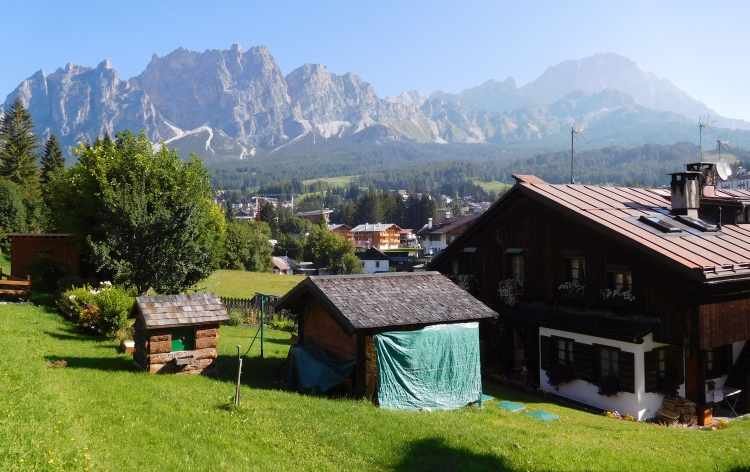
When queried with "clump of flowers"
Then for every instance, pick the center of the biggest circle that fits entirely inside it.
(572, 288)
(618, 416)
(510, 291)
(615, 294)
(104, 309)
(467, 282)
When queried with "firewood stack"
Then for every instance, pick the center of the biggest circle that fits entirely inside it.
(678, 410)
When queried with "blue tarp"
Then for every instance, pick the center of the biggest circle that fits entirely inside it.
(435, 367)
(308, 369)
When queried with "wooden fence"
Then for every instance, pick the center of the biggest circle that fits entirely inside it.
(249, 309)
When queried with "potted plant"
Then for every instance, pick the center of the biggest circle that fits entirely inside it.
(467, 282)
(608, 386)
(572, 290)
(560, 374)
(617, 296)
(510, 291)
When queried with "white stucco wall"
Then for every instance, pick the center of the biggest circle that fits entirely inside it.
(435, 246)
(640, 404)
(370, 266)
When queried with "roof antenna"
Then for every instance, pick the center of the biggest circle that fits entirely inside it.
(719, 225)
(723, 143)
(704, 124)
(576, 134)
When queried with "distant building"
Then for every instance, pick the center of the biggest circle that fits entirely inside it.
(314, 215)
(435, 238)
(378, 235)
(374, 261)
(342, 230)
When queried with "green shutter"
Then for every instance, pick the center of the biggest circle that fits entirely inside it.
(583, 361)
(627, 371)
(651, 370)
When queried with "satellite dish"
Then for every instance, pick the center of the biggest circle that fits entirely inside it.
(723, 169)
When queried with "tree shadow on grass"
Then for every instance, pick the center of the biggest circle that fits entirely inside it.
(109, 364)
(256, 372)
(432, 454)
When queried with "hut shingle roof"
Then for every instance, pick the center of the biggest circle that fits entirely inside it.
(392, 299)
(181, 310)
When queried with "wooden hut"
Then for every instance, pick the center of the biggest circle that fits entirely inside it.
(178, 334)
(342, 314)
(26, 248)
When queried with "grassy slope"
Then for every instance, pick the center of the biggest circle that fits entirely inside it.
(342, 181)
(494, 185)
(242, 284)
(5, 263)
(100, 407)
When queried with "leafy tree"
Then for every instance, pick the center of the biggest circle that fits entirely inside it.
(53, 161)
(247, 247)
(268, 215)
(18, 147)
(144, 216)
(290, 246)
(352, 264)
(13, 214)
(328, 250)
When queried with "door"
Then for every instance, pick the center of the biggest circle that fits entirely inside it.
(694, 384)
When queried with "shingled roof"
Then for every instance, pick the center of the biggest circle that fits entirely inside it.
(389, 300)
(181, 310)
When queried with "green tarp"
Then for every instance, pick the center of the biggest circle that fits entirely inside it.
(309, 370)
(436, 367)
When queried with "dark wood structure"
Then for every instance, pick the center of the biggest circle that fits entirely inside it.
(27, 247)
(341, 314)
(636, 283)
(10, 285)
(178, 333)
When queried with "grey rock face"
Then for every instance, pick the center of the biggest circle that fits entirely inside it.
(242, 94)
(82, 104)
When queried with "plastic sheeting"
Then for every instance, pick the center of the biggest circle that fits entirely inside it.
(436, 367)
(308, 369)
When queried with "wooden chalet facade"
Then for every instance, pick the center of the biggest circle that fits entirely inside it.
(345, 231)
(616, 286)
(342, 313)
(379, 235)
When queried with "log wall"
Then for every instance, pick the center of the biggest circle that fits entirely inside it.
(153, 350)
(321, 329)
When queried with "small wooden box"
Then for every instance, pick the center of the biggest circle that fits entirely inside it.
(127, 346)
(705, 414)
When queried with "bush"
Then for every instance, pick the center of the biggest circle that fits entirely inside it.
(105, 309)
(235, 318)
(45, 273)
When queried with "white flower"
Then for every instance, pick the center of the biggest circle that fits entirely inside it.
(94, 292)
(106, 283)
(72, 297)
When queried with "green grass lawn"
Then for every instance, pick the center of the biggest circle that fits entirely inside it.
(5, 263)
(341, 181)
(100, 413)
(242, 284)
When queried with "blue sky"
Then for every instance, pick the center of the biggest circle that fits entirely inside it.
(702, 47)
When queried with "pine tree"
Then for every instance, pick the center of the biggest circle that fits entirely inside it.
(18, 147)
(53, 160)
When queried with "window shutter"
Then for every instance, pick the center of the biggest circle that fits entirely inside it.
(651, 370)
(627, 371)
(545, 343)
(678, 364)
(583, 362)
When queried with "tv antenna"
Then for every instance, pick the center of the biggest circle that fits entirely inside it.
(704, 126)
(576, 134)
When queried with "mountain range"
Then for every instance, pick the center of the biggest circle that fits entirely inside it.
(234, 104)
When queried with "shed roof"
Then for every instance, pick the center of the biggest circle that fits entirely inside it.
(181, 310)
(724, 254)
(389, 300)
(280, 263)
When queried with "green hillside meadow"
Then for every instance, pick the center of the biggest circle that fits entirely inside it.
(100, 413)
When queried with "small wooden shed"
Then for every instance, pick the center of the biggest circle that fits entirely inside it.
(341, 314)
(28, 247)
(178, 334)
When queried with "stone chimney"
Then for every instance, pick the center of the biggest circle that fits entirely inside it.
(686, 192)
(429, 223)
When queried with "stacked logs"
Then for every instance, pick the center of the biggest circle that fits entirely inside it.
(154, 351)
(678, 410)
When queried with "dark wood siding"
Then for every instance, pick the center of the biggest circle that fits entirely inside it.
(583, 361)
(321, 330)
(723, 323)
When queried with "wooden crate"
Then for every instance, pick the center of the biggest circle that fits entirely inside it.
(705, 415)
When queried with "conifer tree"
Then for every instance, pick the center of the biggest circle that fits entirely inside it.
(18, 147)
(53, 160)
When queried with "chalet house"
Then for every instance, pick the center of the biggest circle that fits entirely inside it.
(378, 235)
(282, 266)
(437, 237)
(407, 238)
(627, 290)
(342, 230)
(315, 215)
(374, 261)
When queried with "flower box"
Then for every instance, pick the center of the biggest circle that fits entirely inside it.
(510, 291)
(572, 291)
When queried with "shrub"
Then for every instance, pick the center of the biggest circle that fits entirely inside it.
(235, 318)
(105, 309)
(46, 272)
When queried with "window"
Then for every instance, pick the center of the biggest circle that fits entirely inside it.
(620, 280)
(451, 238)
(714, 362)
(609, 362)
(377, 264)
(577, 270)
(454, 266)
(564, 351)
(434, 237)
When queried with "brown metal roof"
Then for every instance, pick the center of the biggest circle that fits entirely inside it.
(715, 255)
(389, 300)
(181, 310)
